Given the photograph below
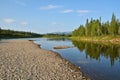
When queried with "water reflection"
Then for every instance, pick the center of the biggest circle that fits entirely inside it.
(57, 39)
(98, 50)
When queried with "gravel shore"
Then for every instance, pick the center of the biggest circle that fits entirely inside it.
(24, 60)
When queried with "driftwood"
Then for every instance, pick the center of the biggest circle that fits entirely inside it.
(62, 47)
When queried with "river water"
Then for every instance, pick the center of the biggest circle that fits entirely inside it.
(97, 61)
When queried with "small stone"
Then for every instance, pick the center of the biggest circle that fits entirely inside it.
(74, 76)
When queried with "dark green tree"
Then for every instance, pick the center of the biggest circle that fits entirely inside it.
(113, 26)
(118, 25)
(0, 29)
(86, 27)
(81, 30)
(104, 28)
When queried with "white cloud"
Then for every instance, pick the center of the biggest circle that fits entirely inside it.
(57, 24)
(24, 23)
(9, 21)
(67, 11)
(48, 7)
(78, 11)
(83, 11)
(12, 21)
(20, 3)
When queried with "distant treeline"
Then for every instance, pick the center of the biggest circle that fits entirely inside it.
(17, 34)
(57, 35)
(94, 27)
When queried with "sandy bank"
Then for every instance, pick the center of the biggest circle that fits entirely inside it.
(24, 60)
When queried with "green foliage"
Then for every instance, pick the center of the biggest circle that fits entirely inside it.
(80, 31)
(17, 34)
(105, 27)
(94, 28)
(113, 26)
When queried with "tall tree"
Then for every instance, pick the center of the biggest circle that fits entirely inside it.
(81, 30)
(118, 25)
(113, 25)
(99, 27)
(89, 28)
(86, 27)
(105, 27)
(95, 28)
(0, 30)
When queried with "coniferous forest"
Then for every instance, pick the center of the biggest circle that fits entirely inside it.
(95, 27)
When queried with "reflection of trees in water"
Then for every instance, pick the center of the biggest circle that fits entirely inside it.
(80, 46)
(92, 51)
(57, 39)
(96, 50)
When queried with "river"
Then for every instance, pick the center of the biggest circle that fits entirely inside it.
(97, 61)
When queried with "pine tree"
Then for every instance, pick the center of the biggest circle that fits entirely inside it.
(113, 25)
(105, 27)
(86, 27)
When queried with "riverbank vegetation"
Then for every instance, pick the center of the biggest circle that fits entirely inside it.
(57, 35)
(96, 30)
(17, 34)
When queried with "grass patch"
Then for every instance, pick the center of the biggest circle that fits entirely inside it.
(111, 39)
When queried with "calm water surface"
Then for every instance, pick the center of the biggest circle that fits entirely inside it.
(98, 61)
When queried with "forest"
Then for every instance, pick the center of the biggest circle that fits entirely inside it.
(22, 34)
(95, 27)
(17, 34)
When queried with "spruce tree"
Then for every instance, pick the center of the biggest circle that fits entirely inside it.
(113, 25)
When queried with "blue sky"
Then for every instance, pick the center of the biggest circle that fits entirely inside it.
(45, 16)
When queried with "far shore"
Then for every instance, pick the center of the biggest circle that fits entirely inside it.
(102, 39)
(22, 59)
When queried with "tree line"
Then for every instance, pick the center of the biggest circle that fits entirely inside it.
(57, 35)
(95, 27)
(17, 34)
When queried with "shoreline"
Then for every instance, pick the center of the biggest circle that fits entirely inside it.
(66, 61)
(97, 39)
(50, 63)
